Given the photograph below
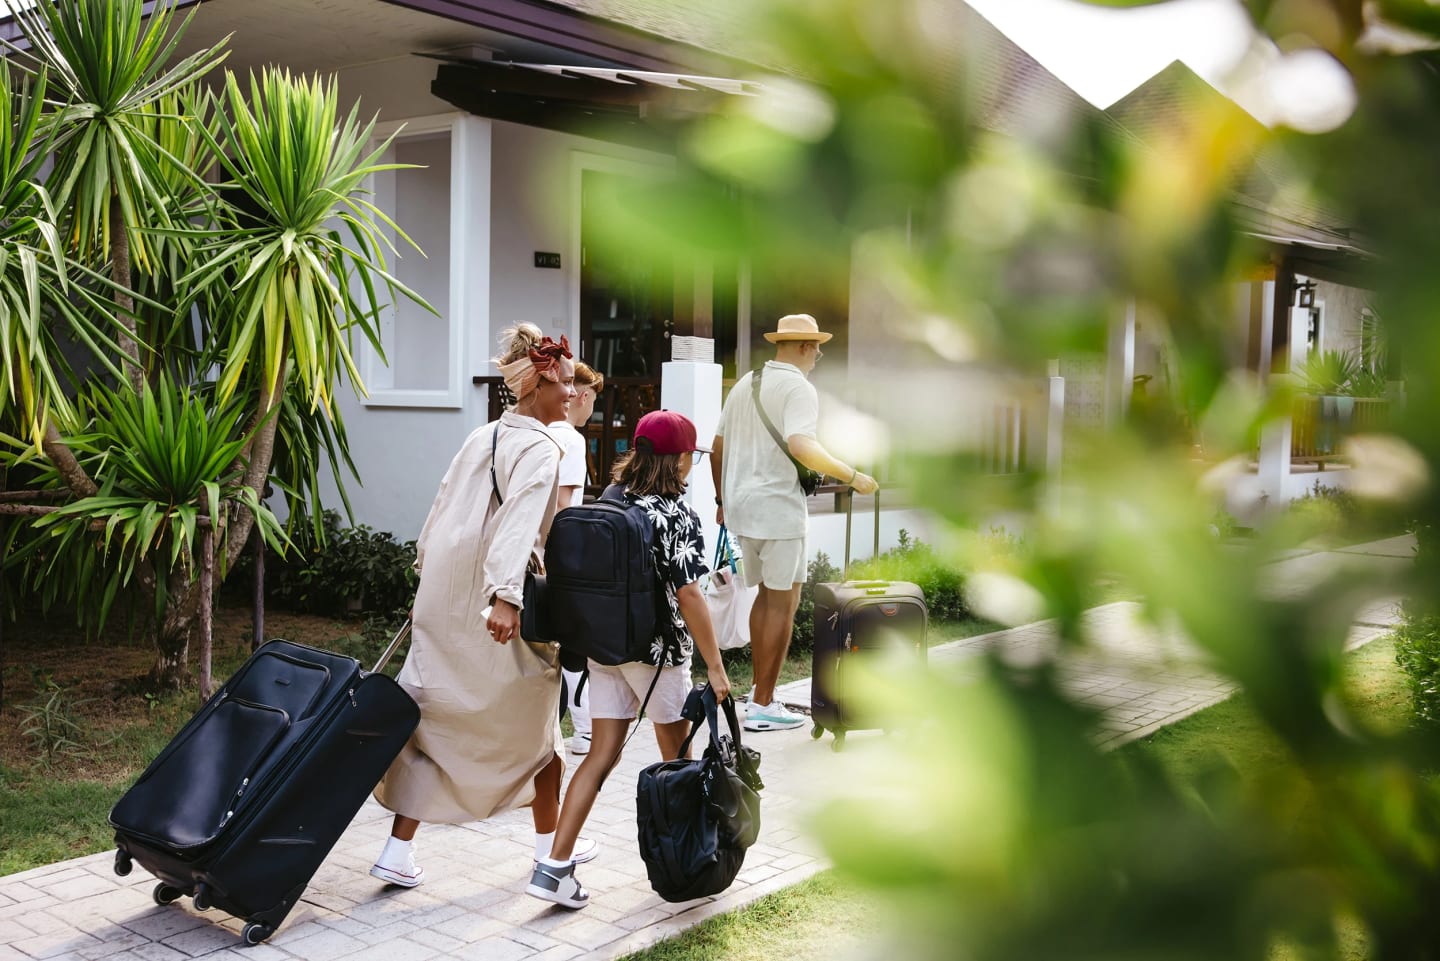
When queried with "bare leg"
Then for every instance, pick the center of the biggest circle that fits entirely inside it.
(669, 737)
(546, 808)
(772, 623)
(607, 737)
(403, 828)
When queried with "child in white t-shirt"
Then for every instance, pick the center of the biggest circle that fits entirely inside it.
(574, 474)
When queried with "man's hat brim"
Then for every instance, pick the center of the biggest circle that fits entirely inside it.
(816, 336)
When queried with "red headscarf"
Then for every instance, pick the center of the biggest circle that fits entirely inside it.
(546, 357)
(522, 375)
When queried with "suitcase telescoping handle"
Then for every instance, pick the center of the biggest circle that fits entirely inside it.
(849, 496)
(394, 646)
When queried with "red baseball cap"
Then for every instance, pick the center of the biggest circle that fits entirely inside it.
(667, 432)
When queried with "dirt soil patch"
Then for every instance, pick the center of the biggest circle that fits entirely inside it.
(101, 689)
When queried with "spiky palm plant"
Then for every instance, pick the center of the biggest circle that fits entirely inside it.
(166, 460)
(300, 290)
(110, 64)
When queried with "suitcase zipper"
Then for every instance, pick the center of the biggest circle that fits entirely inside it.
(278, 777)
(235, 802)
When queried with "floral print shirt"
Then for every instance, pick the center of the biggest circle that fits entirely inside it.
(679, 560)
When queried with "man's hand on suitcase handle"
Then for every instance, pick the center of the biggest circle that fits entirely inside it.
(504, 621)
(864, 483)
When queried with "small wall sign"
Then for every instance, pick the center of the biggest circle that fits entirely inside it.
(544, 258)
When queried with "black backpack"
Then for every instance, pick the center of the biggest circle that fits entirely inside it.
(697, 818)
(602, 596)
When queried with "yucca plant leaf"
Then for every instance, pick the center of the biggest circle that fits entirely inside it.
(111, 61)
(299, 167)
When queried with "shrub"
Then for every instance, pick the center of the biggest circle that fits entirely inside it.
(1417, 642)
(1325, 510)
(819, 572)
(53, 727)
(1417, 651)
(350, 570)
(915, 561)
(912, 560)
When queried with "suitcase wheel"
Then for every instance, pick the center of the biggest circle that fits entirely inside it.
(816, 731)
(123, 863)
(166, 893)
(201, 898)
(838, 744)
(255, 932)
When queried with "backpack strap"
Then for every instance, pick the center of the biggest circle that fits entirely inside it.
(669, 638)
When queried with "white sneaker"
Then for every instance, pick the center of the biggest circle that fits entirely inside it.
(585, 850)
(579, 744)
(557, 885)
(402, 871)
(771, 717)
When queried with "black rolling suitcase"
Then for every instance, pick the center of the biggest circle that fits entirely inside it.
(859, 619)
(240, 809)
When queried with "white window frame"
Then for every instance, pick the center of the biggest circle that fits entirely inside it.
(660, 169)
(462, 241)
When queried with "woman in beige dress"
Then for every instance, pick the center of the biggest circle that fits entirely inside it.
(488, 698)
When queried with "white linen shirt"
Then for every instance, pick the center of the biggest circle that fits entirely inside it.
(759, 486)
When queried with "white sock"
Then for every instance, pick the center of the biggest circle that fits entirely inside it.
(552, 863)
(396, 852)
(543, 844)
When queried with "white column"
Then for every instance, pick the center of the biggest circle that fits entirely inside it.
(1120, 366)
(693, 389)
(470, 256)
(1299, 336)
(1267, 327)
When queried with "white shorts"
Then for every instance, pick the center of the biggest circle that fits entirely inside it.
(778, 564)
(616, 691)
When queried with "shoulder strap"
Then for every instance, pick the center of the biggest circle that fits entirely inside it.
(494, 442)
(801, 471)
(764, 417)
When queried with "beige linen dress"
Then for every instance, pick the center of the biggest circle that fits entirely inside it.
(487, 711)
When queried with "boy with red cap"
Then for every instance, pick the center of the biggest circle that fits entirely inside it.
(653, 474)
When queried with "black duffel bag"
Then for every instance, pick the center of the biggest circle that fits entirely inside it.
(697, 818)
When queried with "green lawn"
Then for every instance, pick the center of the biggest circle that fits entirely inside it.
(823, 917)
(819, 919)
(1376, 691)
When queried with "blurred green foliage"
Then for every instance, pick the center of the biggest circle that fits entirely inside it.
(989, 248)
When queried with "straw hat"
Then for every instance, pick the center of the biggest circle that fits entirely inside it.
(797, 327)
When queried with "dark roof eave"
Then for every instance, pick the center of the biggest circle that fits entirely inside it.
(578, 32)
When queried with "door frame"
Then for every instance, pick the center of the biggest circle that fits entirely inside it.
(658, 169)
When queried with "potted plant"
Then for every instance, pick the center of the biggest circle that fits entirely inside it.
(1327, 375)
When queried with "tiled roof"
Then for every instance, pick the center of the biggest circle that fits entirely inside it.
(1267, 203)
(1012, 93)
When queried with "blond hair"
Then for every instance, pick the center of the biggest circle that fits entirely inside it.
(587, 376)
(515, 342)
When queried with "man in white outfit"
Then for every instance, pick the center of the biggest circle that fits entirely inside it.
(762, 503)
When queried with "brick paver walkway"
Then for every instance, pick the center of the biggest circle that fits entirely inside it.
(473, 903)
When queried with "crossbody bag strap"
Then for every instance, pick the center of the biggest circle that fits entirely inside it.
(800, 469)
(494, 443)
(764, 417)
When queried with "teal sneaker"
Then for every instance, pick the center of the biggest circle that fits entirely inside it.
(771, 717)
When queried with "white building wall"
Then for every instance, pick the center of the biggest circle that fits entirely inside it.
(1340, 318)
(535, 207)
(401, 452)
